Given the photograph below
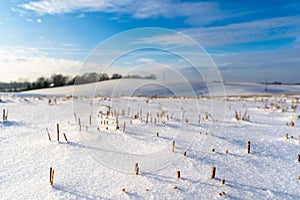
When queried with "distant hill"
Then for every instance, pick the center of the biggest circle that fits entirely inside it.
(141, 87)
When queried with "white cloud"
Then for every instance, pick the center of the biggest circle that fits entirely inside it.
(145, 60)
(30, 63)
(80, 16)
(65, 6)
(69, 45)
(39, 20)
(195, 12)
(29, 20)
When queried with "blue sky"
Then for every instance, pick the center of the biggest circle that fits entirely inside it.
(248, 40)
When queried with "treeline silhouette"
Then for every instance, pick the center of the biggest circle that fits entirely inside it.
(58, 80)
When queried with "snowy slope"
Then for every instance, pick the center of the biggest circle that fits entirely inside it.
(98, 161)
(129, 87)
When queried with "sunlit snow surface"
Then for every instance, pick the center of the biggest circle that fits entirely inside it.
(92, 165)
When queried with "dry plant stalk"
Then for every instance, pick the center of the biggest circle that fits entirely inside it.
(124, 126)
(51, 176)
(178, 174)
(136, 168)
(286, 136)
(65, 137)
(245, 118)
(236, 115)
(292, 124)
(249, 146)
(79, 123)
(57, 130)
(173, 146)
(117, 122)
(5, 115)
(136, 116)
(213, 172)
(48, 135)
(222, 193)
(206, 116)
(147, 118)
(223, 181)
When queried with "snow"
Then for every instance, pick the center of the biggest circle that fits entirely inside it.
(99, 163)
(128, 87)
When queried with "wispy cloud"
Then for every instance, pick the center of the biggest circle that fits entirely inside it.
(69, 45)
(80, 16)
(259, 30)
(166, 39)
(145, 60)
(195, 12)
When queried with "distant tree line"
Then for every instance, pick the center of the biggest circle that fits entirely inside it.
(278, 83)
(57, 80)
(272, 83)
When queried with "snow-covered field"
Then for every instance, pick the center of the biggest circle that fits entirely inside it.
(129, 87)
(98, 161)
